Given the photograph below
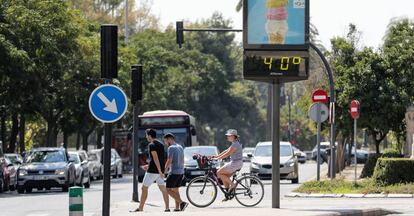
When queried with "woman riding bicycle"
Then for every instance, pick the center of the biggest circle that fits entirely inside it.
(235, 152)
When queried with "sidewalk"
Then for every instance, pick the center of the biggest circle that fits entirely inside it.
(121, 209)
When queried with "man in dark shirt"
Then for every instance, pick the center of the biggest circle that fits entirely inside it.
(155, 170)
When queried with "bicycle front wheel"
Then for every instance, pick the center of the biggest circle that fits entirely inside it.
(249, 191)
(201, 191)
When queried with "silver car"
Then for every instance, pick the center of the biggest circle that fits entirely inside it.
(82, 169)
(95, 165)
(46, 168)
(261, 163)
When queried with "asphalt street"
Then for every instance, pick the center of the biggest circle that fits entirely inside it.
(55, 202)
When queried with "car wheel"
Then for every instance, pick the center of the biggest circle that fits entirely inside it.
(296, 180)
(29, 190)
(47, 188)
(1, 185)
(20, 190)
(116, 173)
(65, 188)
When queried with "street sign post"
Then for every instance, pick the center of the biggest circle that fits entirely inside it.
(319, 113)
(354, 110)
(108, 103)
(136, 96)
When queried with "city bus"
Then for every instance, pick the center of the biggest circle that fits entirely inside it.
(179, 123)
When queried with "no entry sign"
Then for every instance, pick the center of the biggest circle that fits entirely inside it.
(355, 109)
(320, 96)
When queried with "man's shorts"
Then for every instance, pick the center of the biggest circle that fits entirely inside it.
(150, 178)
(233, 166)
(174, 180)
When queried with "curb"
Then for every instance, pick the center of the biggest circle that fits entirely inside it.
(364, 212)
(317, 195)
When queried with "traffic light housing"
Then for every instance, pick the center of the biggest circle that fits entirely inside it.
(136, 85)
(179, 29)
(109, 51)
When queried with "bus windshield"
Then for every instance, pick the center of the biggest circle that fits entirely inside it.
(181, 136)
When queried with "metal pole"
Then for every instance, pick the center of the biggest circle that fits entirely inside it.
(289, 117)
(318, 141)
(126, 22)
(355, 151)
(107, 170)
(135, 156)
(332, 102)
(275, 127)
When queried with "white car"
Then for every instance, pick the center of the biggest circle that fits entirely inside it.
(261, 164)
(247, 153)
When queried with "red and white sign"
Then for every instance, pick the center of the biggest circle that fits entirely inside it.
(355, 109)
(320, 96)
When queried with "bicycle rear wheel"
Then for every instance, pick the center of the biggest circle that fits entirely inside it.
(201, 191)
(249, 191)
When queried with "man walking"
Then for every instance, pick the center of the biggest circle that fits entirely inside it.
(155, 170)
(175, 162)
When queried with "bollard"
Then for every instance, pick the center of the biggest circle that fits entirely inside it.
(76, 201)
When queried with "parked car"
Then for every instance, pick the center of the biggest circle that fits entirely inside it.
(4, 175)
(2, 180)
(116, 162)
(362, 155)
(262, 162)
(12, 173)
(300, 155)
(95, 165)
(82, 169)
(46, 168)
(191, 169)
(246, 152)
(323, 147)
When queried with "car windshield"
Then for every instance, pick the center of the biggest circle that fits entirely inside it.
(74, 157)
(189, 152)
(46, 157)
(13, 159)
(266, 151)
(248, 150)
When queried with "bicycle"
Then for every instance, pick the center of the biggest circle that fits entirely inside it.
(202, 191)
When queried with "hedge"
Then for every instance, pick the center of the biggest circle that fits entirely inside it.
(369, 166)
(391, 153)
(389, 171)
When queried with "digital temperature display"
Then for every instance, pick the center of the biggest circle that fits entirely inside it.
(284, 67)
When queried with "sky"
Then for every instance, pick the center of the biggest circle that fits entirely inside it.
(331, 17)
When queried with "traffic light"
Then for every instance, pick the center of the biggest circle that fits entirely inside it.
(109, 51)
(136, 85)
(179, 29)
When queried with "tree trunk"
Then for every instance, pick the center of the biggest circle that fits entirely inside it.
(78, 137)
(99, 133)
(51, 133)
(350, 144)
(65, 139)
(3, 131)
(85, 141)
(22, 132)
(13, 133)
(377, 146)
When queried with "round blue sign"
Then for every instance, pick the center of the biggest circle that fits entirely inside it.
(108, 103)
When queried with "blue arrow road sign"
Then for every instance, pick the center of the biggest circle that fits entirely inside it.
(108, 103)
